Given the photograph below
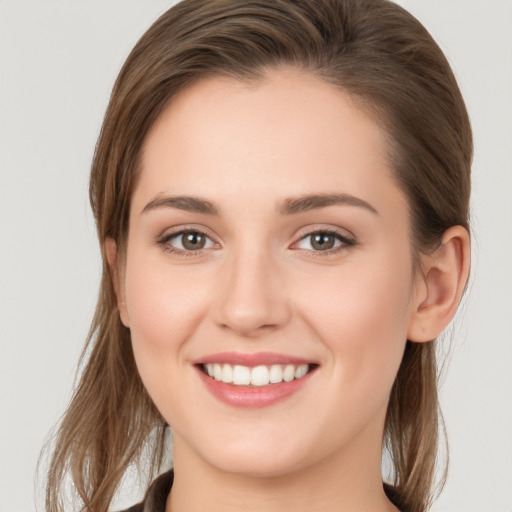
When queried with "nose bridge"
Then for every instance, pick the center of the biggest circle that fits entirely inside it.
(252, 297)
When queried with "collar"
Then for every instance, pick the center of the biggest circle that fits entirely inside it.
(156, 496)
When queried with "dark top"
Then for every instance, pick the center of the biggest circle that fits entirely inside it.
(156, 496)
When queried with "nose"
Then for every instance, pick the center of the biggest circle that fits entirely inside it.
(252, 297)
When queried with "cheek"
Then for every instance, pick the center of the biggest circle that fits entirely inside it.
(362, 314)
(164, 308)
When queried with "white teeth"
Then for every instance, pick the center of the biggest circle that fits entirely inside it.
(227, 373)
(258, 376)
(217, 371)
(301, 371)
(276, 373)
(289, 373)
(241, 375)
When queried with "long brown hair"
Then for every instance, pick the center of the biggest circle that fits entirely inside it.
(373, 50)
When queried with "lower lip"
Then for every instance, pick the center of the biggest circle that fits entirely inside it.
(252, 397)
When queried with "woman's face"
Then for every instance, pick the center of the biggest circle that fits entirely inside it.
(268, 239)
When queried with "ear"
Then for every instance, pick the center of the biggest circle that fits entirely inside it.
(117, 279)
(440, 287)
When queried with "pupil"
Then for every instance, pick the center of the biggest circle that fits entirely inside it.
(323, 242)
(193, 241)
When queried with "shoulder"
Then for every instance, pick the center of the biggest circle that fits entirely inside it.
(156, 496)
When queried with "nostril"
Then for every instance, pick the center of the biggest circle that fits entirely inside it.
(246, 330)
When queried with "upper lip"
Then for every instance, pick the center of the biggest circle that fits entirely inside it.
(251, 360)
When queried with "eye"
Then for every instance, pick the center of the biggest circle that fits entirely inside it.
(186, 241)
(324, 241)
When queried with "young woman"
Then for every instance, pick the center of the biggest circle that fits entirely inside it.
(281, 192)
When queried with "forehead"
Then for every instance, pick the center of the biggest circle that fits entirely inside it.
(289, 133)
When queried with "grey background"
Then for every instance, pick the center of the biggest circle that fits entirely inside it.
(58, 62)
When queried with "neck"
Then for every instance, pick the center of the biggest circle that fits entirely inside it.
(349, 481)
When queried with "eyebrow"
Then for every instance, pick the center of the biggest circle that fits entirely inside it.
(290, 206)
(305, 203)
(187, 203)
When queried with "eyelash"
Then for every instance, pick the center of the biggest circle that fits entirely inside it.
(345, 242)
(164, 242)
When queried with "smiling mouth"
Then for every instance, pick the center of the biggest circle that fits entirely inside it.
(257, 376)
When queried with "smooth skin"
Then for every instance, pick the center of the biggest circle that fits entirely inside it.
(261, 283)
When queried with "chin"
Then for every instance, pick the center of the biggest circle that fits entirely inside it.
(258, 465)
(261, 456)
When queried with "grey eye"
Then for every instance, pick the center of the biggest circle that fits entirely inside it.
(191, 241)
(321, 241)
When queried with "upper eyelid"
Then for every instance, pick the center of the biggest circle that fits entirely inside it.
(184, 228)
(163, 240)
(299, 234)
(343, 239)
(310, 230)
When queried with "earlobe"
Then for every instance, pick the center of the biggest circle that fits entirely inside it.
(117, 282)
(445, 274)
